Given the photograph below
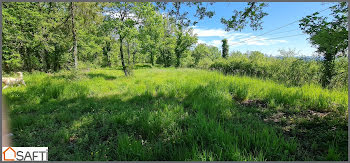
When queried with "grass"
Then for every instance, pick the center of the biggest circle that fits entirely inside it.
(176, 114)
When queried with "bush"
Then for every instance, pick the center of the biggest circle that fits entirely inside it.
(205, 63)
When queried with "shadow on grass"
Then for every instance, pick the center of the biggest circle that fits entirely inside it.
(142, 66)
(96, 75)
(320, 137)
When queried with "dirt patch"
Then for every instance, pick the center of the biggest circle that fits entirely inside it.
(317, 114)
(275, 117)
(73, 139)
(309, 115)
(258, 103)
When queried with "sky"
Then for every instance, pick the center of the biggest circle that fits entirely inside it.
(212, 31)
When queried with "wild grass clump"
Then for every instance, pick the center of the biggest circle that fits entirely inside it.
(176, 114)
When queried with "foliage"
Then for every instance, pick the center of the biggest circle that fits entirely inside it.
(32, 37)
(294, 72)
(240, 19)
(184, 40)
(203, 51)
(54, 36)
(167, 43)
(152, 33)
(224, 48)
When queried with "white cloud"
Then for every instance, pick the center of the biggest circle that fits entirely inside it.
(233, 38)
(209, 32)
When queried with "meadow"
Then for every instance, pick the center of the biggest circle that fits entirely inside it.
(176, 114)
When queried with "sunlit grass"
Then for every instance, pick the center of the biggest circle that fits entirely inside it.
(175, 114)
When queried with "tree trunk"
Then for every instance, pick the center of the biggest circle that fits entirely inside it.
(328, 70)
(177, 60)
(152, 58)
(127, 43)
(178, 57)
(122, 56)
(46, 61)
(109, 61)
(75, 41)
(163, 57)
(106, 50)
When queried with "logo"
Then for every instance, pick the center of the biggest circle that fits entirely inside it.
(24, 153)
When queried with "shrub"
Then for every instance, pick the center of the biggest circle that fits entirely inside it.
(204, 63)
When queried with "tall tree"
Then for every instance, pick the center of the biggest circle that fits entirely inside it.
(123, 15)
(152, 32)
(184, 40)
(203, 51)
(74, 32)
(85, 21)
(224, 48)
(200, 52)
(329, 37)
(168, 42)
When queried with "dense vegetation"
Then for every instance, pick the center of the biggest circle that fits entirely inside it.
(176, 114)
(53, 36)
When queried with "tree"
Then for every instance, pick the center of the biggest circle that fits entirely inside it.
(89, 20)
(74, 32)
(123, 17)
(214, 52)
(130, 42)
(203, 51)
(237, 22)
(184, 40)
(200, 52)
(135, 49)
(167, 42)
(152, 31)
(252, 14)
(184, 37)
(329, 37)
(224, 48)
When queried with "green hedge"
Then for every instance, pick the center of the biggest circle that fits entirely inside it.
(290, 70)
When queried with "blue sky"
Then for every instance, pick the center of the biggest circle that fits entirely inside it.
(211, 31)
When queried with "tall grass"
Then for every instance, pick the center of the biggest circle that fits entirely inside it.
(173, 114)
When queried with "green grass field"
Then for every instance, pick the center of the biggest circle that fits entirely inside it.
(176, 114)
